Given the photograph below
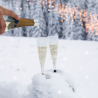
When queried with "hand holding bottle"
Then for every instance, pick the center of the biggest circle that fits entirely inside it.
(6, 12)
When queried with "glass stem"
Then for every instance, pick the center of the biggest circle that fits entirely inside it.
(42, 70)
(54, 66)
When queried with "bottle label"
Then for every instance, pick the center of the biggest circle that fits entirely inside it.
(16, 23)
(7, 24)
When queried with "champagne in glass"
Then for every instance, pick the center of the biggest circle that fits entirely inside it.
(53, 44)
(42, 50)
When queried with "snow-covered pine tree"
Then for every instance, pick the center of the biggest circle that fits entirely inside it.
(79, 30)
(45, 12)
(96, 19)
(32, 9)
(78, 3)
(77, 26)
(20, 31)
(31, 12)
(41, 30)
(92, 6)
(57, 19)
(25, 14)
(67, 22)
(51, 22)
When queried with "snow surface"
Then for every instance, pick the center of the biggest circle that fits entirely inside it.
(52, 85)
(19, 68)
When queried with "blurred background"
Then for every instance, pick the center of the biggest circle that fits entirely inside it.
(69, 19)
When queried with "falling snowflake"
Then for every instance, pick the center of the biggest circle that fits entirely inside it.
(59, 91)
(86, 52)
(15, 77)
(11, 39)
(86, 77)
(65, 59)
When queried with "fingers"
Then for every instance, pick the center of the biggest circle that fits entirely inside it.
(2, 23)
(9, 13)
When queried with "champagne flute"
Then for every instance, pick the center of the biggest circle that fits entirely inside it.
(53, 44)
(42, 50)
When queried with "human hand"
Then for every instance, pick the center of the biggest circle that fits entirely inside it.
(6, 12)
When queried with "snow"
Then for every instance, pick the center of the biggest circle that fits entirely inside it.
(47, 86)
(20, 68)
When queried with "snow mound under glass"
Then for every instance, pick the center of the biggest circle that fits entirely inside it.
(52, 85)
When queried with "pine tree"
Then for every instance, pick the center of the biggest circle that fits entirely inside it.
(32, 13)
(57, 19)
(25, 14)
(45, 12)
(51, 22)
(79, 30)
(92, 6)
(41, 30)
(31, 9)
(67, 25)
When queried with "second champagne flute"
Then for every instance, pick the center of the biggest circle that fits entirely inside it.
(53, 44)
(42, 50)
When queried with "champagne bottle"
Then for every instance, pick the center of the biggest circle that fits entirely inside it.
(13, 23)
